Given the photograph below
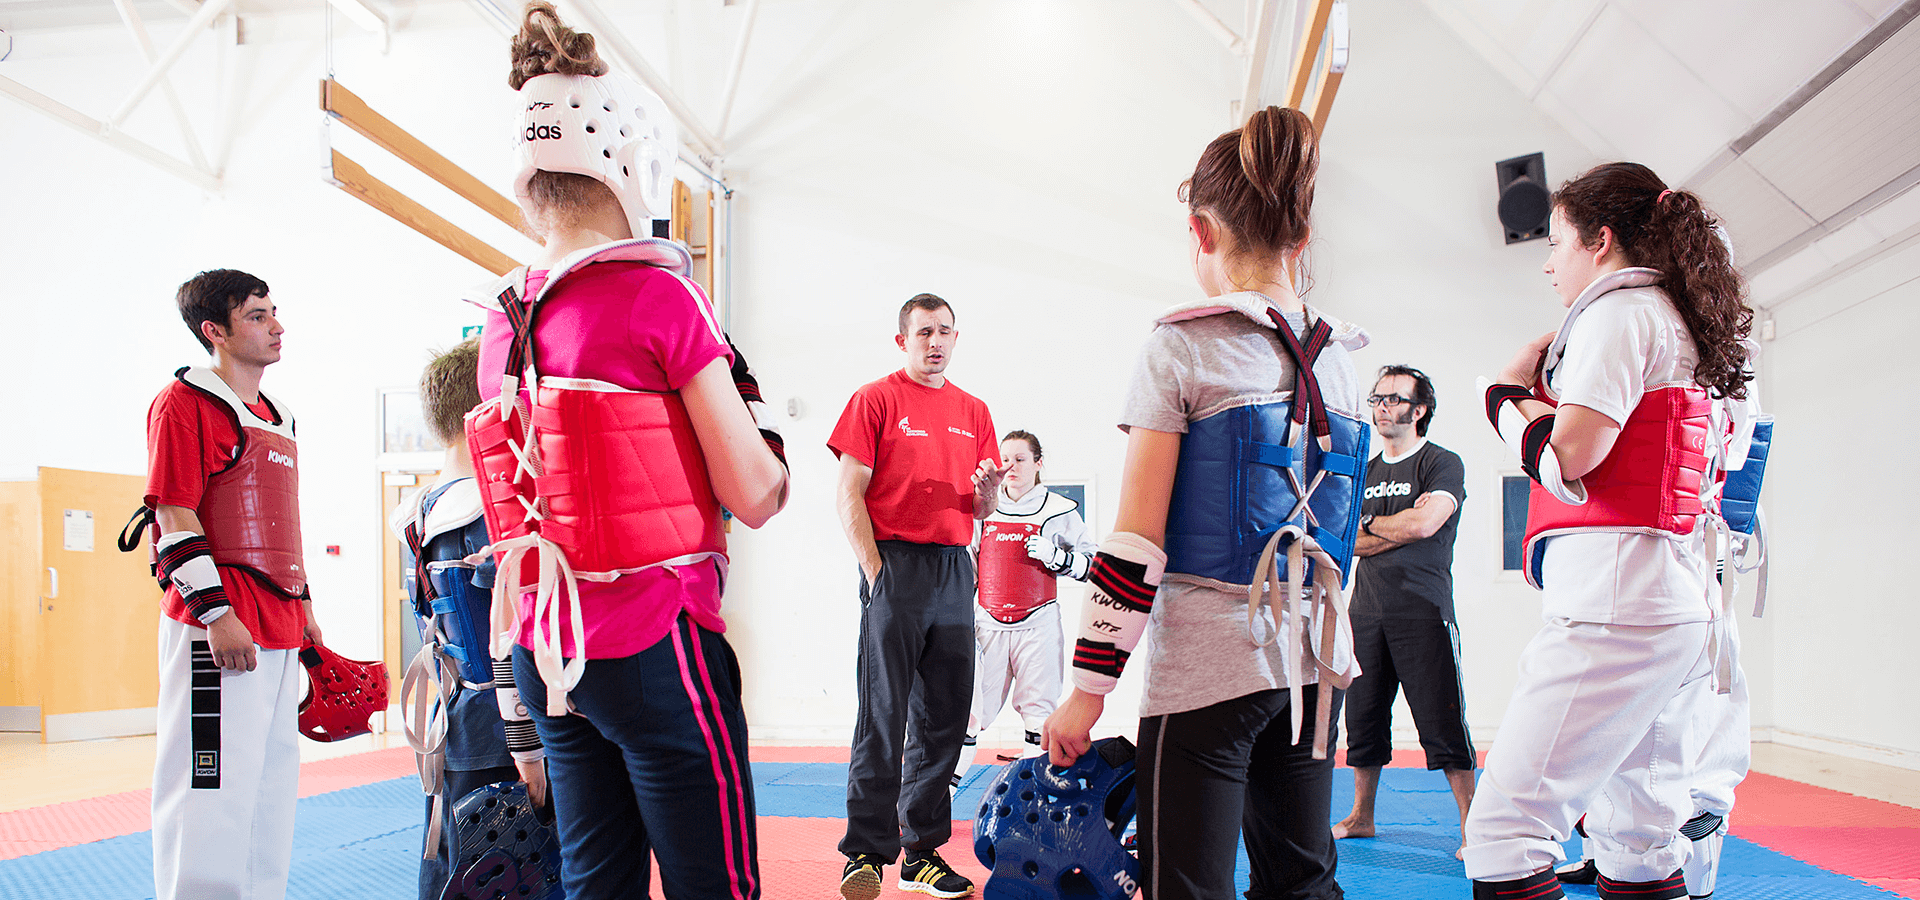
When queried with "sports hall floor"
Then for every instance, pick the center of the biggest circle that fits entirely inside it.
(74, 820)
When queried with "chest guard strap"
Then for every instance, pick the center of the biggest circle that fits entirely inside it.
(1650, 483)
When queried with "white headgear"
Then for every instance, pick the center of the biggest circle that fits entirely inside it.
(607, 127)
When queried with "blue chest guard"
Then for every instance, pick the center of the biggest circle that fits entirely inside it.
(1740, 495)
(1248, 471)
(1240, 480)
(1052, 834)
(442, 584)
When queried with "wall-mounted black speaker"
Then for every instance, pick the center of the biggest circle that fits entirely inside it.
(1525, 202)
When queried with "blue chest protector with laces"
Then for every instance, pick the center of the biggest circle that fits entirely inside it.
(1740, 495)
(1233, 490)
(1244, 471)
(444, 591)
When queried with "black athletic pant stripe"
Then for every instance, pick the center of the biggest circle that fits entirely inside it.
(205, 724)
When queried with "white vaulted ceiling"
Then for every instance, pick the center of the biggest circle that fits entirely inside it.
(1793, 118)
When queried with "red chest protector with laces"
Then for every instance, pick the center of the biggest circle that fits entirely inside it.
(1649, 483)
(612, 476)
(251, 509)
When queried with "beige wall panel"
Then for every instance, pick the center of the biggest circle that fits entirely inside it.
(21, 579)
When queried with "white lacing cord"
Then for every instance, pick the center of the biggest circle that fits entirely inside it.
(426, 698)
(1720, 602)
(1321, 600)
(556, 579)
(1753, 552)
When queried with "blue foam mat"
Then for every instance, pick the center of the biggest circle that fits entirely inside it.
(364, 842)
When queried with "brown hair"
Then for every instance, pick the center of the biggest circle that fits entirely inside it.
(929, 302)
(212, 296)
(450, 388)
(1033, 442)
(546, 46)
(1422, 392)
(1673, 233)
(1258, 181)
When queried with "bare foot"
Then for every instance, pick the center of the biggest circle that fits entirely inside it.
(1353, 827)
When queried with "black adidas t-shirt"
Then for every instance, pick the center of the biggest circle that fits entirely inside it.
(1414, 581)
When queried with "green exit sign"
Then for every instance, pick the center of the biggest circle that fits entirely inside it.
(470, 331)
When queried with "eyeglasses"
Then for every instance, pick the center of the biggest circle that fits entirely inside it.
(1389, 400)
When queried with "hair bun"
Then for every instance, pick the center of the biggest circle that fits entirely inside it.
(546, 46)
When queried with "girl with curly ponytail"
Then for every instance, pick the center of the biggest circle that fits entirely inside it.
(1618, 417)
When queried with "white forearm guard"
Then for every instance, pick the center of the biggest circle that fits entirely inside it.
(186, 560)
(522, 741)
(1121, 584)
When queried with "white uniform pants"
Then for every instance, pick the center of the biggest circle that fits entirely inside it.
(1728, 751)
(1606, 720)
(233, 841)
(1027, 662)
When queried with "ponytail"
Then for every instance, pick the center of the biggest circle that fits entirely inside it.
(1672, 232)
(1258, 181)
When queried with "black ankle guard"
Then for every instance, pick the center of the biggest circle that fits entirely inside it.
(1538, 886)
(1672, 887)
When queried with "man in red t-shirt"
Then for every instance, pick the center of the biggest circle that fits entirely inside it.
(919, 463)
(223, 486)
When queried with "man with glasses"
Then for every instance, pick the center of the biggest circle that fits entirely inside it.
(1403, 628)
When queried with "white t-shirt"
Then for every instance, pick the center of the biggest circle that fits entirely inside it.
(1625, 343)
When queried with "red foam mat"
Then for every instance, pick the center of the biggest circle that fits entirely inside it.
(1855, 851)
(800, 857)
(1770, 800)
(798, 754)
(41, 828)
(57, 825)
(326, 775)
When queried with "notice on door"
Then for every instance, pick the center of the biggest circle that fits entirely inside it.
(79, 530)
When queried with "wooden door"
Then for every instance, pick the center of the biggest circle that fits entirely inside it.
(99, 657)
(401, 637)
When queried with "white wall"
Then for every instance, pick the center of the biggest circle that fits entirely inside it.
(1843, 607)
(1018, 158)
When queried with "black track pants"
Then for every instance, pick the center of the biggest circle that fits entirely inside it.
(915, 674)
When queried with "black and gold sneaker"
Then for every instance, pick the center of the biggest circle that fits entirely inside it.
(929, 874)
(861, 879)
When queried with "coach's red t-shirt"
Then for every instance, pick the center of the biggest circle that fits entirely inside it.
(923, 445)
(190, 436)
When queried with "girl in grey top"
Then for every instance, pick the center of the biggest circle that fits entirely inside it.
(1216, 740)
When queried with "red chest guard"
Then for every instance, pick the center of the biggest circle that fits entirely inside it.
(1649, 483)
(251, 509)
(622, 483)
(626, 485)
(1012, 583)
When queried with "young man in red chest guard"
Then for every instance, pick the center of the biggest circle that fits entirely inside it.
(223, 486)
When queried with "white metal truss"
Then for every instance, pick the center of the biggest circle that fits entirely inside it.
(197, 170)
